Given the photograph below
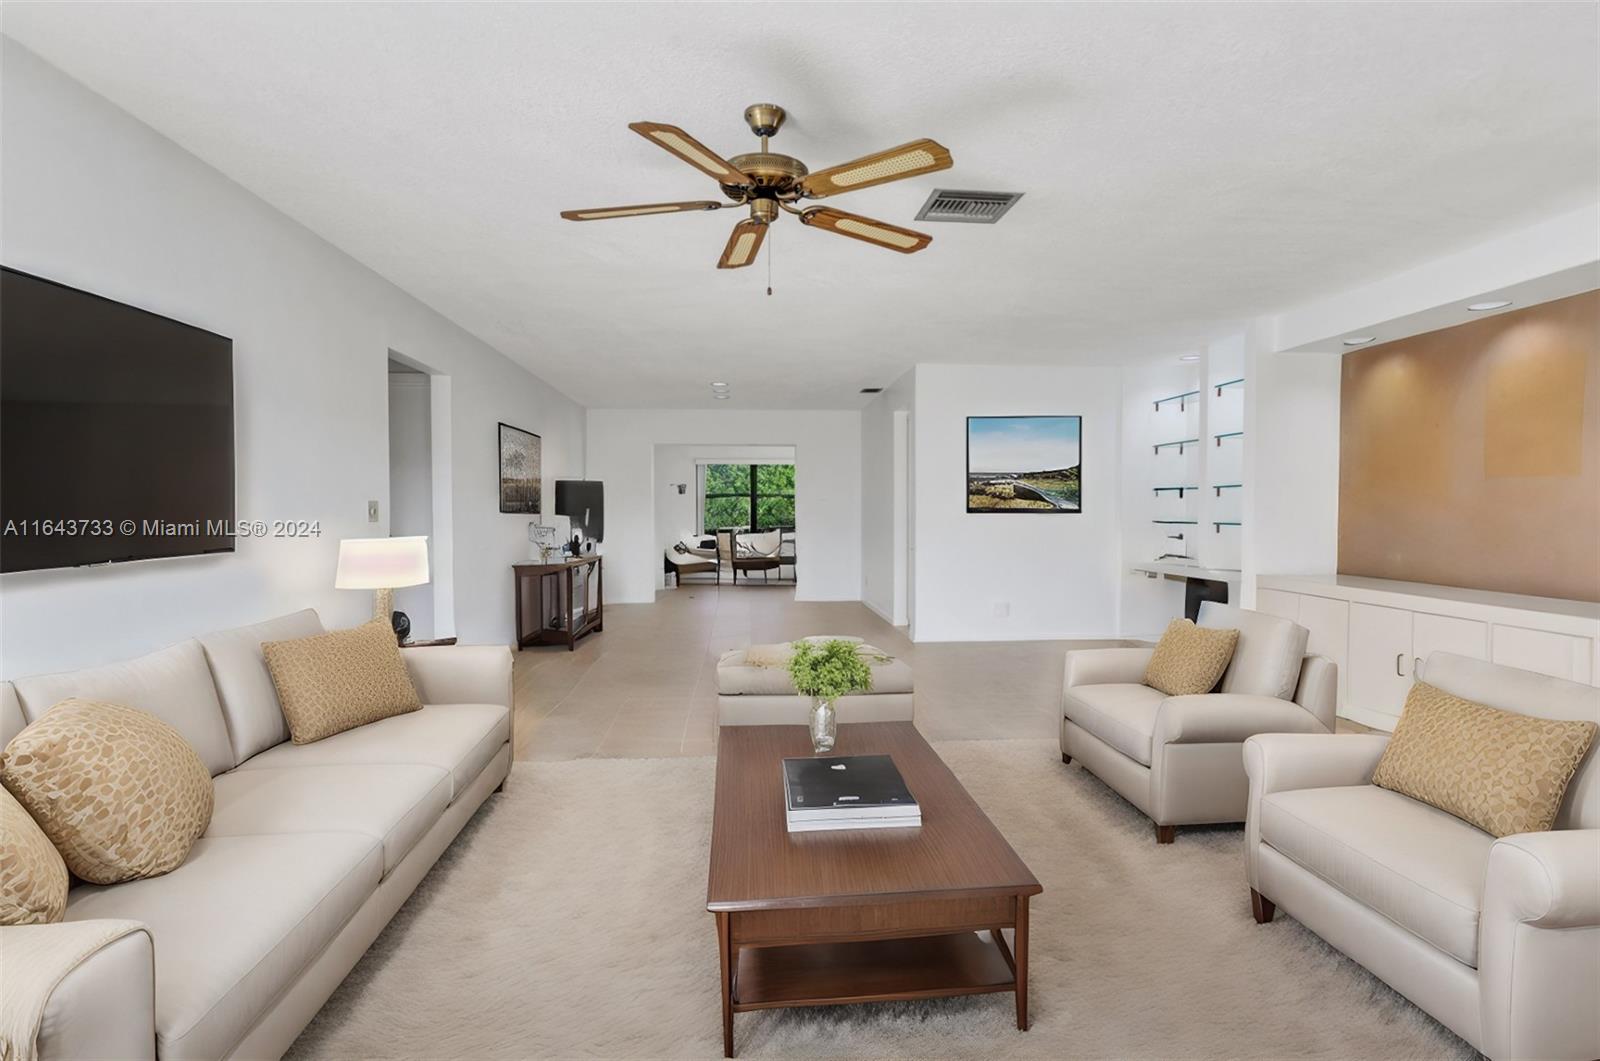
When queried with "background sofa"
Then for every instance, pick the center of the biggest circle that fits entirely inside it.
(765, 696)
(1497, 939)
(310, 851)
(1179, 759)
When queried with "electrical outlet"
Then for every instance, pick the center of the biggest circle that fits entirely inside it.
(1002, 610)
(372, 512)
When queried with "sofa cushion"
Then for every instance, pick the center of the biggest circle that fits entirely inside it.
(119, 792)
(244, 686)
(736, 678)
(1190, 659)
(1502, 771)
(394, 805)
(33, 879)
(330, 683)
(173, 684)
(1267, 660)
(459, 738)
(1421, 868)
(235, 925)
(1122, 715)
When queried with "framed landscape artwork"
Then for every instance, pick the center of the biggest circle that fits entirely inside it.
(1024, 464)
(520, 473)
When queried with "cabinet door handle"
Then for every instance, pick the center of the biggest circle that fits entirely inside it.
(1416, 665)
(1398, 656)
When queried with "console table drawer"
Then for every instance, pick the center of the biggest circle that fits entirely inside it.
(818, 924)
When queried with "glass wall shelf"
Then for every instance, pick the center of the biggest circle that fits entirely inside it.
(1228, 434)
(1181, 399)
(1180, 443)
(1219, 487)
(1179, 490)
(1228, 383)
(1180, 522)
(1220, 523)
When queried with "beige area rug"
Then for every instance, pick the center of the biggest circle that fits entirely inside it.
(569, 920)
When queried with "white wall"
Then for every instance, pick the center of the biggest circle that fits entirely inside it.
(675, 512)
(97, 200)
(1057, 573)
(827, 452)
(880, 568)
(411, 485)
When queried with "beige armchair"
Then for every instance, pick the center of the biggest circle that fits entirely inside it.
(1498, 939)
(1179, 759)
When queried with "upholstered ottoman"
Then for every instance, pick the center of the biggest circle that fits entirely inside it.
(750, 695)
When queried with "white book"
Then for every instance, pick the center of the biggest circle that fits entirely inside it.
(855, 823)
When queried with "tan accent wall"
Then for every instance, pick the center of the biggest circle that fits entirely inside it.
(1470, 456)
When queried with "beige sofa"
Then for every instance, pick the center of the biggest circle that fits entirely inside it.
(311, 848)
(764, 696)
(1497, 939)
(1179, 758)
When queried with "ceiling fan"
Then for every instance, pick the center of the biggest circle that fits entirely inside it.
(768, 182)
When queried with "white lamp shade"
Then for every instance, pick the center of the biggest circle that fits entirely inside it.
(382, 563)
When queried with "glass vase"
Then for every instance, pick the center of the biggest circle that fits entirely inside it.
(824, 725)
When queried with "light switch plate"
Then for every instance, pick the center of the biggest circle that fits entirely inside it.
(372, 512)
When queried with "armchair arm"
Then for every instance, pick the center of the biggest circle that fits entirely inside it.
(1228, 718)
(1107, 666)
(1539, 946)
(1282, 762)
(78, 989)
(461, 674)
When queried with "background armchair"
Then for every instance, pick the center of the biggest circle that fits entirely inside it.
(1179, 759)
(1498, 939)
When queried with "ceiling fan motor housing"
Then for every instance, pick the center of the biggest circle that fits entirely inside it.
(764, 119)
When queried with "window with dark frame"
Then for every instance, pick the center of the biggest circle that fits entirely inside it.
(757, 496)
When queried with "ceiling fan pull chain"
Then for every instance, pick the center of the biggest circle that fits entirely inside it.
(769, 265)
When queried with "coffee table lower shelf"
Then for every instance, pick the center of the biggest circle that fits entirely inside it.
(887, 970)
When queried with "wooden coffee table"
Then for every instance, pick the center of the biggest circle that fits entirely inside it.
(870, 915)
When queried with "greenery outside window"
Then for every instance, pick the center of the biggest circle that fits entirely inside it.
(757, 496)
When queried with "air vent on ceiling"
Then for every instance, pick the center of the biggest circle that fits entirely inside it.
(978, 208)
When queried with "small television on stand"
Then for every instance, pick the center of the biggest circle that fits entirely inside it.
(583, 502)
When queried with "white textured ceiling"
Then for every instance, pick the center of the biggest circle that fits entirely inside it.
(1185, 166)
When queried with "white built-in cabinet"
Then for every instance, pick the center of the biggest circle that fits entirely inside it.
(1380, 633)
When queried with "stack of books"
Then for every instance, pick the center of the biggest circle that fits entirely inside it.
(847, 792)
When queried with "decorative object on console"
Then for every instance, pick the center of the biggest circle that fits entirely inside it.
(121, 794)
(33, 879)
(1190, 660)
(521, 474)
(826, 672)
(1024, 464)
(1502, 771)
(329, 683)
(383, 565)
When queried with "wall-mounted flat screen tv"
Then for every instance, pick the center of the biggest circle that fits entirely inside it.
(584, 500)
(116, 431)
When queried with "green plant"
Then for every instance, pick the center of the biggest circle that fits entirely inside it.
(829, 670)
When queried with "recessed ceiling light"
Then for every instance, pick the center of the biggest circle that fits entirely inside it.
(720, 386)
(1188, 357)
(1484, 307)
(722, 396)
(1359, 340)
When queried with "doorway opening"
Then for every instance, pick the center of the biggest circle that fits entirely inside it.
(727, 514)
(419, 489)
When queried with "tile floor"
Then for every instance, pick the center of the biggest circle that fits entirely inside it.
(646, 686)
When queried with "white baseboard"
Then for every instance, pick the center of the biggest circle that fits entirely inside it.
(879, 612)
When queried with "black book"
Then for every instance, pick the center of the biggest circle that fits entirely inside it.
(846, 787)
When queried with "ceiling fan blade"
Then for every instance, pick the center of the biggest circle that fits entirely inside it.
(897, 163)
(879, 233)
(743, 245)
(601, 213)
(691, 151)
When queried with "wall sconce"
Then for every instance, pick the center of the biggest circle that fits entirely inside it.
(683, 488)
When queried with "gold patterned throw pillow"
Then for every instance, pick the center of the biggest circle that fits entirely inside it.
(1190, 659)
(1503, 772)
(33, 879)
(119, 792)
(333, 682)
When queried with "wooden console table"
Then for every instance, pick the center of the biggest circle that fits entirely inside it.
(558, 603)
